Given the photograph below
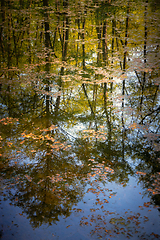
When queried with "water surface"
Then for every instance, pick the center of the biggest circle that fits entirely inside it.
(79, 120)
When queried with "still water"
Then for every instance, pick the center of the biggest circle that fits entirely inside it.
(79, 120)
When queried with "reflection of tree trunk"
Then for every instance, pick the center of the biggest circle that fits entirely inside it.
(104, 42)
(46, 23)
(15, 42)
(98, 28)
(47, 45)
(9, 40)
(94, 96)
(83, 45)
(145, 54)
(9, 63)
(123, 145)
(54, 40)
(77, 52)
(64, 43)
(105, 103)
(113, 29)
(9, 101)
(99, 36)
(113, 32)
(1, 33)
(57, 105)
(118, 51)
(105, 57)
(89, 103)
(155, 95)
(29, 35)
(157, 111)
(3, 20)
(65, 40)
(108, 120)
(48, 98)
(105, 60)
(123, 84)
(125, 51)
(58, 97)
(83, 52)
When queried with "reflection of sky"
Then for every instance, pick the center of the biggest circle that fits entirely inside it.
(127, 201)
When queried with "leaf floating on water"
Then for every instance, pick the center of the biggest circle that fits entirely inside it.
(68, 226)
(9, 144)
(147, 204)
(142, 173)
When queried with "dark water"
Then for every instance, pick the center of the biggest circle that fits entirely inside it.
(79, 120)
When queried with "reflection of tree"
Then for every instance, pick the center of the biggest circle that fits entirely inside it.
(62, 87)
(50, 198)
(48, 189)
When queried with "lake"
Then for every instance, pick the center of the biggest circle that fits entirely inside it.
(79, 119)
